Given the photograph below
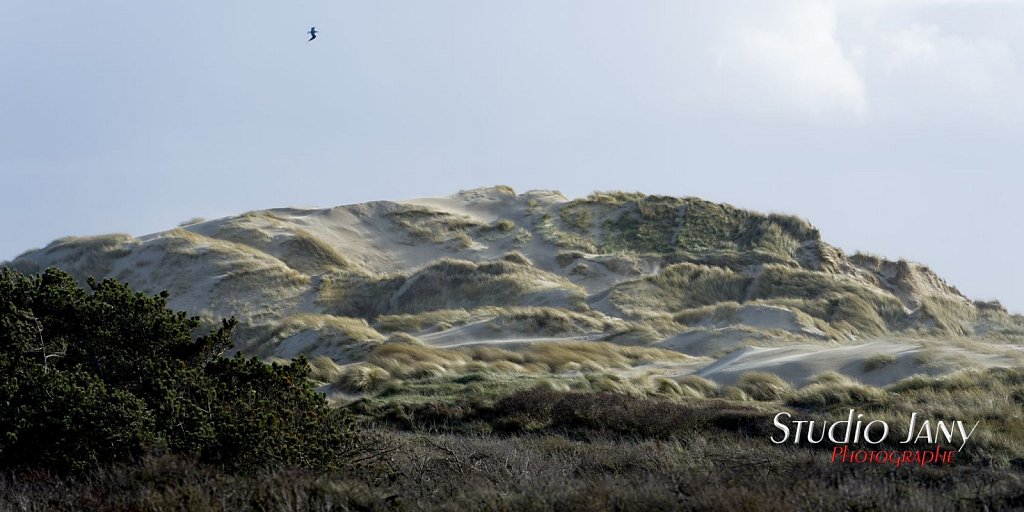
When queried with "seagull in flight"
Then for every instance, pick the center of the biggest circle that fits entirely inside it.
(312, 33)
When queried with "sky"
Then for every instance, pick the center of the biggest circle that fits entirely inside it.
(895, 126)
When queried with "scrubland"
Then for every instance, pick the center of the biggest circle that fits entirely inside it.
(531, 352)
(541, 448)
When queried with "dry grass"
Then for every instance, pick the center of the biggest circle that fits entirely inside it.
(429, 224)
(847, 305)
(271, 281)
(764, 386)
(362, 378)
(528, 321)
(564, 258)
(550, 321)
(355, 329)
(877, 361)
(438, 319)
(948, 316)
(307, 253)
(694, 386)
(550, 232)
(83, 257)
(455, 284)
(504, 226)
(604, 453)
(315, 333)
(604, 355)
(678, 287)
(833, 391)
(635, 333)
(248, 269)
(992, 396)
(410, 361)
(518, 258)
(323, 369)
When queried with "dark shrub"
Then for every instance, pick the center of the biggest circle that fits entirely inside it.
(92, 378)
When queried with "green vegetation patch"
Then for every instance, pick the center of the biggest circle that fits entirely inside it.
(129, 377)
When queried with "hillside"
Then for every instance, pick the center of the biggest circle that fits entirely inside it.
(618, 284)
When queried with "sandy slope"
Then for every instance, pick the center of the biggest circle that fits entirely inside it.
(799, 363)
(268, 266)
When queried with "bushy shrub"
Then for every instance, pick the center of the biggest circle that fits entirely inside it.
(89, 378)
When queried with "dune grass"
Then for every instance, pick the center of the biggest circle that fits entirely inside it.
(832, 391)
(310, 333)
(694, 386)
(948, 316)
(440, 319)
(550, 232)
(355, 329)
(412, 369)
(429, 224)
(455, 284)
(496, 230)
(678, 287)
(764, 387)
(309, 254)
(361, 378)
(844, 303)
(877, 361)
(244, 274)
(84, 257)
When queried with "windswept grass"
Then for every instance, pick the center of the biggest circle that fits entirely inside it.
(877, 361)
(722, 312)
(948, 316)
(358, 295)
(525, 321)
(456, 284)
(679, 287)
(362, 378)
(518, 258)
(309, 254)
(564, 258)
(355, 329)
(502, 226)
(428, 224)
(597, 359)
(551, 321)
(550, 232)
(638, 223)
(845, 304)
(832, 391)
(83, 257)
(313, 333)
(557, 356)
(647, 224)
(246, 280)
(764, 387)
(324, 369)
(635, 333)
(440, 319)
(694, 386)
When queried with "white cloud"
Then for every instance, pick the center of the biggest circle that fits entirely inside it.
(785, 58)
(971, 65)
(860, 59)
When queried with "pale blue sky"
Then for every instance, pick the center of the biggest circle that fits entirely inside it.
(895, 126)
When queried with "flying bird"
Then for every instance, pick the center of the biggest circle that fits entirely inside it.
(312, 33)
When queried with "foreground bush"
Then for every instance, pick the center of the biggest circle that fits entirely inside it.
(89, 378)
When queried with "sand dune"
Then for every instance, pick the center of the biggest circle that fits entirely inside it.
(797, 364)
(755, 292)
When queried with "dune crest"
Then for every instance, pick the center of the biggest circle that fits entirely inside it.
(734, 289)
